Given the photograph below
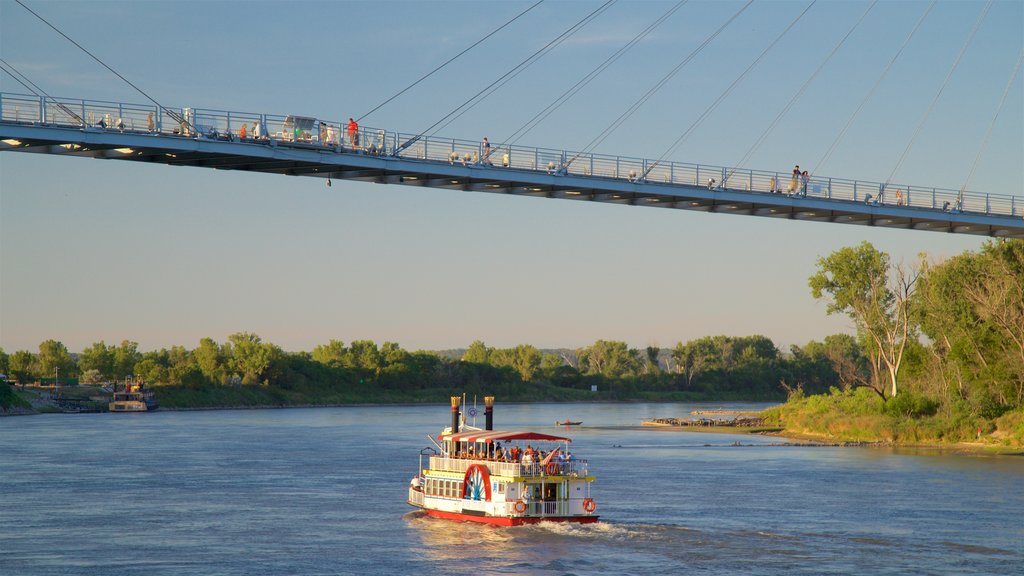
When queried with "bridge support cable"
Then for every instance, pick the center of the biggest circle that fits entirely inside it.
(582, 83)
(789, 105)
(35, 89)
(504, 78)
(931, 106)
(707, 111)
(992, 124)
(177, 117)
(849, 122)
(450, 60)
(603, 135)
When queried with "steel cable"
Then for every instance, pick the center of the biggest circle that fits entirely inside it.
(449, 61)
(582, 83)
(842, 133)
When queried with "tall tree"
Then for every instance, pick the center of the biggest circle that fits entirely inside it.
(477, 353)
(99, 357)
(126, 356)
(22, 365)
(210, 359)
(250, 357)
(857, 283)
(331, 354)
(54, 359)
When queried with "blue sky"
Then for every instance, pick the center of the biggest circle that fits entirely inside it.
(96, 250)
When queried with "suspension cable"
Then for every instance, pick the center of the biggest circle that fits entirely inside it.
(536, 56)
(723, 95)
(920, 124)
(849, 122)
(992, 124)
(479, 96)
(764, 135)
(647, 96)
(15, 74)
(177, 117)
(449, 61)
(573, 90)
(35, 89)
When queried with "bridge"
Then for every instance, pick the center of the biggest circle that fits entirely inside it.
(305, 146)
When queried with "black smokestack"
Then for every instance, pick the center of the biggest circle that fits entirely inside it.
(455, 414)
(489, 412)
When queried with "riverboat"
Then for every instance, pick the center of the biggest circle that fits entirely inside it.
(507, 478)
(133, 397)
(568, 423)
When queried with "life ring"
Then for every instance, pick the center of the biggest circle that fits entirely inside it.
(589, 505)
(552, 468)
(520, 506)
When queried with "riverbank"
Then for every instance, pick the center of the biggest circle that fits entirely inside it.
(836, 426)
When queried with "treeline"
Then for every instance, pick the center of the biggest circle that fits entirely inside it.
(939, 350)
(717, 367)
(942, 340)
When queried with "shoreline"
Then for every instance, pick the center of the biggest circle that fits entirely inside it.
(811, 439)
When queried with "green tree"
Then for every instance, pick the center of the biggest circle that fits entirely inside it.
(971, 307)
(23, 366)
(250, 357)
(364, 354)
(856, 281)
(211, 361)
(5, 367)
(333, 354)
(54, 359)
(477, 353)
(695, 358)
(126, 356)
(609, 358)
(98, 357)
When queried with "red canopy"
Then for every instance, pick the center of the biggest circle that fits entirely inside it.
(490, 436)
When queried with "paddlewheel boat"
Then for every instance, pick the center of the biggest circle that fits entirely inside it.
(133, 397)
(505, 478)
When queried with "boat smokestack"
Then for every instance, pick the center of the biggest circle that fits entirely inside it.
(489, 412)
(455, 414)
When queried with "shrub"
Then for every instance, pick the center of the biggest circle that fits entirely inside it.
(911, 406)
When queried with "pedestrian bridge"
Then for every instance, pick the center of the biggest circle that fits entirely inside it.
(304, 146)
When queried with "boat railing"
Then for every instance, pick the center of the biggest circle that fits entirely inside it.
(303, 131)
(415, 497)
(574, 468)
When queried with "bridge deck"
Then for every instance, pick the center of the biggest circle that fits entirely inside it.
(305, 146)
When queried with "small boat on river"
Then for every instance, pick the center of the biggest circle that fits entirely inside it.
(133, 397)
(568, 423)
(508, 478)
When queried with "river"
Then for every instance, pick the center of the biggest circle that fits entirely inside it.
(322, 491)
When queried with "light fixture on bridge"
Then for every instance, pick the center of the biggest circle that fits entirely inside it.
(124, 150)
(12, 142)
(573, 192)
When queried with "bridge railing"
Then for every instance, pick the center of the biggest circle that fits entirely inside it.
(292, 130)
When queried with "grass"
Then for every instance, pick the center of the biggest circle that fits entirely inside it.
(861, 416)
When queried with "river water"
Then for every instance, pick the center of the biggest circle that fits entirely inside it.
(322, 491)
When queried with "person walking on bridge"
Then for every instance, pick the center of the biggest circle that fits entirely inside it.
(486, 152)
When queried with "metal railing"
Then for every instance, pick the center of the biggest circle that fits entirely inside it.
(574, 468)
(308, 132)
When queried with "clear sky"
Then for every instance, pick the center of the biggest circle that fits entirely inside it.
(100, 250)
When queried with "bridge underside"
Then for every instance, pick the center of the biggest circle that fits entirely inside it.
(296, 159)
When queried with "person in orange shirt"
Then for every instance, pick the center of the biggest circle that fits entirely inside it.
(353, 133)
